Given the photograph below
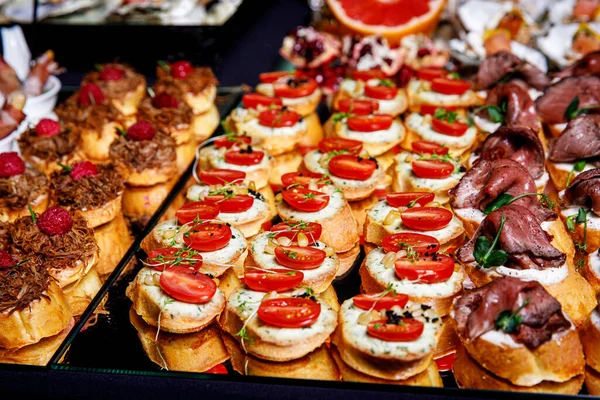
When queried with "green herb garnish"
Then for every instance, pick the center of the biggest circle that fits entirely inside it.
(505, 199)
(32, 213)
(484, 252)
(509, 322)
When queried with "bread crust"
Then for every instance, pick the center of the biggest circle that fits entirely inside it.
(373, 148)
(192, 352)
(402, 96)
(347, 260)
(96, 145)
(43, 318)
(590, 340)
(113, 239)
(202, 101)
(205, 123)
(128, 104)
(558, 176)
(430, 377)
(306, 107)
(150, 176)
(448, 340)
(314, 133)
(186, 153)
(80, 294)
(469, 374)
(274, 144)
(415, 100)
(103, 214)
(359, 209)
(39, 205)
(67, 275)
(412, 136)
(140, 202)
(592, 381)
(592, 242)
(282, 164)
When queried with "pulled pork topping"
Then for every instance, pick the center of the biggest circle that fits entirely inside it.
(585, 191)
(526, 244)
(518, 144)
(195, 82)
(63, 251)
(520, 109)
(116, 89)
(538, 314)
(166, 118)
(19, 190)
(48, 148)
(487, 180)
(145, 154)
(580, 140)
(5, 239)
(505, 66)
(88, 192)
(23, 283)
(94, 117)
(553, 105)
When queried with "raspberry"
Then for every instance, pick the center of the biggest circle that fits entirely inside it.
(11, 164)
(6, 260)
(83, 168)
(47, 127)
(55, 221)
(89, 92)
(163, 100)
(142, 130)
(181, 69)
(111, 73)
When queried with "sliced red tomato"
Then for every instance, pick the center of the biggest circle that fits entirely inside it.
(358, 107)
(291, 229)
(166, 257)
(237, 204)
(201, 210)
(426, 218)
(278, 118)
(253, 100)
(188, 285)
(270, 77)
(301, 178)
(348, 166)
(432, 169)
(404, 199)
(339, 144)
(303, 199)
(425, 147)
(208, 236)
(295, 87)
(244, 157)
(429, 74)
(370, 123)
(419, 243)
(220, 176)
(367, 75)
(445, 363)
(218, 369)
(428, 109)
(289, 312)
(407, 330)
(228, 141)
(380, 92)
(450, 86)
(277, 280)
(301, 258)
(427, 269)
(449, 128)
(378, 302)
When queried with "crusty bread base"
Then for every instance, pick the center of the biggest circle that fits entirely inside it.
(448, 339)
(525, 367)
(373, 148)
(151, 176)
(429, 378)
(191, 352)
(388, 369)
(558, 176)
(590, 340)
(113, 239)
(592, 242)
(202, 101)
(359, 209)
(128, 104)
(314, 132)
(282, 164)
(342, 94)
(205, 123)
(412, 136)
(347, 260)
(592, 381)
(441, 305)
(415, 100)
(469, 374)
(470, 225)
(39, 205)
(404, 184)
(38, 353)
(50, 166)
(307, 107)
(79, 294)
(74, 272)
(96, 145)
(139, 202)
(186, 153)
(104, 214)
(318, 365)
(43, 318)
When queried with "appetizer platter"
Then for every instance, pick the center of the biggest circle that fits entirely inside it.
(393, 209)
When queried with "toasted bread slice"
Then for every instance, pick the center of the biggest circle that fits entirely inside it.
(419, 92)
(79, 294)
(282, 164)
(96, 144)
(75, 271)
(590, 339)
(205, 123)
(458, 147)
(314, 133)
(104, 214)
(38, 205)
(347, 260)
(139, 202)
(373, 142)
(113, 239)
(592, 381)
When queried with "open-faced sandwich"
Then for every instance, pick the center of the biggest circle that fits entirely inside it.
(440, 88)
(590, 339)
(298, 93)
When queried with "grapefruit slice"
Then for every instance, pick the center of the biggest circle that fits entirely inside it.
(392, 19)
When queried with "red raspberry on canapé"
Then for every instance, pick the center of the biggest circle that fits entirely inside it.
(181, 69)
(47, 127)
(112, 73)
(83, 169)
(11, 164)
(141, 130)
(6, 260)
(90, 94)
(55, 221)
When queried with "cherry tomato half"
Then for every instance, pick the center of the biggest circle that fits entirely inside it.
(237, 204)
(220, 176)
(429, 74)
(228, 141)
(449, 128)
(270, 77)
(407, 330)
(244, 157)
(253, 100)
(301, 178)
(423, 244)
(291, 229)
(426, 218)
(303, 199)
(301, 258)
(339, 144)
(358, 107)
(450, 86)
(367, 75)
(278, 118)
(208, 236)
(197, 210)
(425, 147)
(380, 92)
(370, 123)
(427, 269)
(348, 166)
(166, 257)
(289, 312)
(403, 199)
(187, 285)
(377, 302)
(277, 280)
(295, 87)
(432, 169)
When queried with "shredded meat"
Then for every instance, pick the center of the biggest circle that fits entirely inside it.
(522, 238)
(556, 99)
(487, 180)
(23, 284)
(88, 192)
(520, 109)
(19, 190)
(476, 312)
(166, 119)
(503, 65)
(93, 117)
(195, 82)
(116, 89)
(585, 191)
(580, 140)
(47, 147)
(145, 154)
(5, 239)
